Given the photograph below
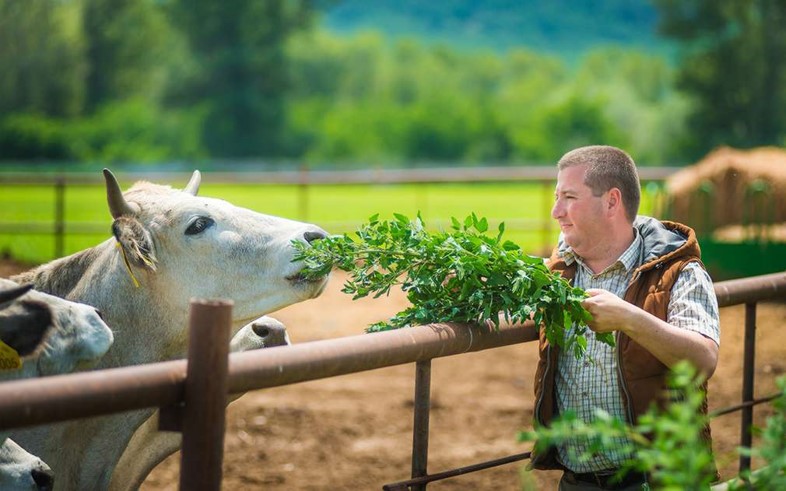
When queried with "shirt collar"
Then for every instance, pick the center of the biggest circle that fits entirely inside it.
(629, 259)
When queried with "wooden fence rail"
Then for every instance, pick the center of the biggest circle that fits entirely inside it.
(312, 177)
(304, 179)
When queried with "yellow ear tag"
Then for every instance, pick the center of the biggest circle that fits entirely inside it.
(9, 358)
(128, 265)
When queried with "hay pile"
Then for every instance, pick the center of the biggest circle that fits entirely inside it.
(730, 187)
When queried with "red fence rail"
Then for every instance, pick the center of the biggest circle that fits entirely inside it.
(165, 385)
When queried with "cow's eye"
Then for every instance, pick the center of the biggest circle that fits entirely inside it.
(199, 225)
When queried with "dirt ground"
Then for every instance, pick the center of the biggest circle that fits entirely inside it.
(354, 432)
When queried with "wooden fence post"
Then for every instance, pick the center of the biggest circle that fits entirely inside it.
(60, 222)
(420, 428)
(204, 413)
(748, 372)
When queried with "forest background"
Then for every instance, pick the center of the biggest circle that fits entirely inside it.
(350, 83)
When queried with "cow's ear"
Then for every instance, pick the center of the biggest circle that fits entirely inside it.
(136, 242)
(10, 294)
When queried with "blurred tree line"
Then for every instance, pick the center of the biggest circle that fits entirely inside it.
(734, 66)
(170, 80)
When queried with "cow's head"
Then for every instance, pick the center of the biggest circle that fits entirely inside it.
(19, 470)
(49, 334)
(183, 246)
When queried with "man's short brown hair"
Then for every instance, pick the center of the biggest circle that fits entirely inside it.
(608, 167)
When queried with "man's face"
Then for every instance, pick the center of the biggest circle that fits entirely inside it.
(579, 213)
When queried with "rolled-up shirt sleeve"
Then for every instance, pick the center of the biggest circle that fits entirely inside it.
(693, 303)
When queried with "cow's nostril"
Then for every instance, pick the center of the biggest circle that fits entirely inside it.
(270, 332)
(44, 478)
(313, 235)
(260, 330)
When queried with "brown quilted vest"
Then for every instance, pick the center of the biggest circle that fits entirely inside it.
(642, 376)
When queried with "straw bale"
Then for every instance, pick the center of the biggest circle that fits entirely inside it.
(730, 174)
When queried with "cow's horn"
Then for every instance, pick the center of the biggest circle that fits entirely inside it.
(193, 185)
(118, 206)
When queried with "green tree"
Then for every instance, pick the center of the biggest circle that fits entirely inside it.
(640, 100)
(133, 130)
(734, 66)
(130, 48)
(361, 99)
(42, 68)
(571, 122)
(241, 72)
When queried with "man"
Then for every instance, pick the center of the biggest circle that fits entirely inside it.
(646, 284)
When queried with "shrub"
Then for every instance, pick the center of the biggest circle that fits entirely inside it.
(666, 444)
(31, 136)
(136, 131)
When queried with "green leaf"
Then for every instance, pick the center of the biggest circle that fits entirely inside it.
(501, 230)
(510, 246)
(482, 225)
(605, 337)
(401, 218)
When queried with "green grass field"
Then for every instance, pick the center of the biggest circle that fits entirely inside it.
(27, 212)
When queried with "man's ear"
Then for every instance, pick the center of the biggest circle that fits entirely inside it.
(136, 241)
(614, 201)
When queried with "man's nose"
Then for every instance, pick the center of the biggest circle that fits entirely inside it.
(556, 210)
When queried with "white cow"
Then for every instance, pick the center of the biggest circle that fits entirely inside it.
(22, 471)
(169, 246)
(149, 447)
(50, 336)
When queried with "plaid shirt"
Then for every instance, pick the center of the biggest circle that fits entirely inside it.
(592, 381)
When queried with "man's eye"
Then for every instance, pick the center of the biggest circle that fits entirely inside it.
(199, 225)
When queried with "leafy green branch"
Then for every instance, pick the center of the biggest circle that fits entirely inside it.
(771, 450)
(665, 444)
(462, 275)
